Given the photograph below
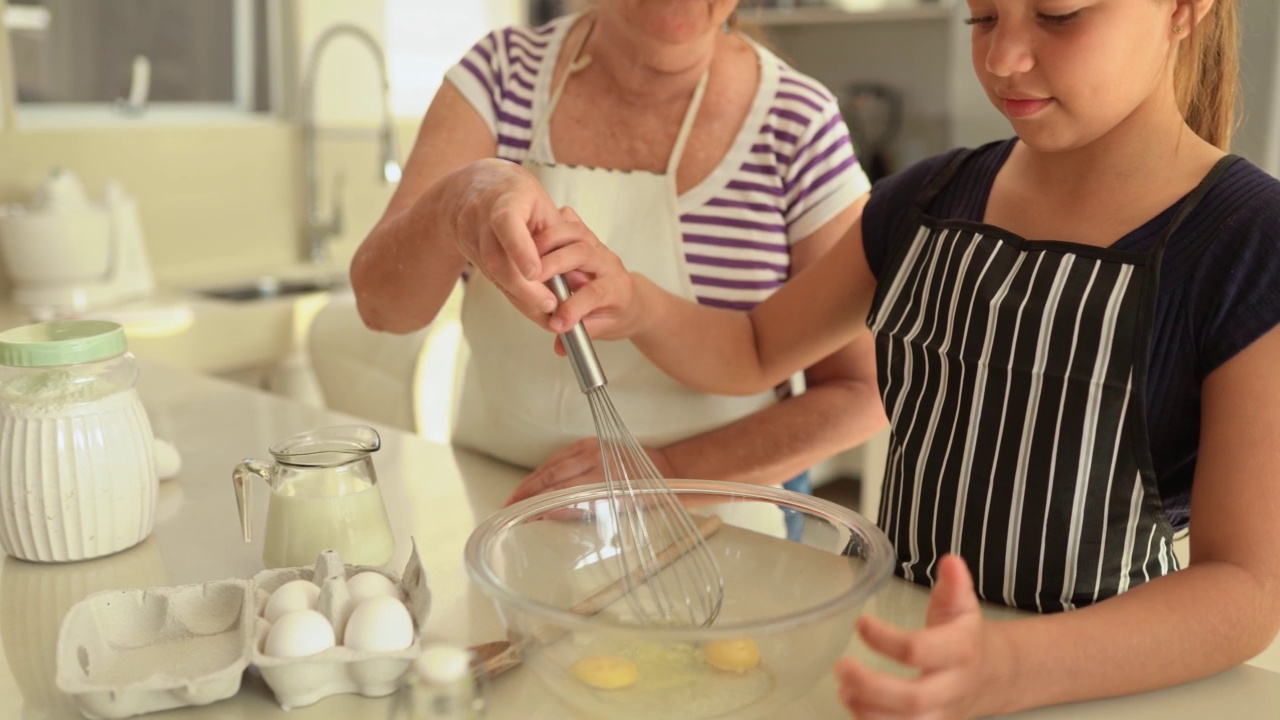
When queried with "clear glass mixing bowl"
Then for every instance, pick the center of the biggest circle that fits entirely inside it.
(797, 571)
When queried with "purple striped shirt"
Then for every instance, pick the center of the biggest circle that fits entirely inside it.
(790, 171)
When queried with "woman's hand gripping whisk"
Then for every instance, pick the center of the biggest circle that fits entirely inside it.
(644, 516)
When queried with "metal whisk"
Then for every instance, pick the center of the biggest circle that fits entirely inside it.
(647, 516)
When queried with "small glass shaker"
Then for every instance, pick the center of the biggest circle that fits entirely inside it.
(440, 686)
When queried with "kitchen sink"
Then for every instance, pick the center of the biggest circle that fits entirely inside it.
(269, 286)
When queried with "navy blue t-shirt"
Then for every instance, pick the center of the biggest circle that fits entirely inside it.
(1219, 286)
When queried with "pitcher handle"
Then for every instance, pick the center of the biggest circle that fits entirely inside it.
(240, 480)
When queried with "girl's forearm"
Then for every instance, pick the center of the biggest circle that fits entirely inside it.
(706, 348)
(776, 444)
(1188, 625)
(404, 271)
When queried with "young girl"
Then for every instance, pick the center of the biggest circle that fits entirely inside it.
(1077, 343)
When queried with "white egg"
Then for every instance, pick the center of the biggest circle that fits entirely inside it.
(365, 585)
(299, 634)
(291, 596)
(379, 624)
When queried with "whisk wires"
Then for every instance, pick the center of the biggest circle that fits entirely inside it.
(647, 516)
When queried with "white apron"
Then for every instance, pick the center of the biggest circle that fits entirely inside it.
(520, 402)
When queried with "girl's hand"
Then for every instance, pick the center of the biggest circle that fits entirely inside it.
(604, 296)
(501, 207)
(577, 464)
(953, 654)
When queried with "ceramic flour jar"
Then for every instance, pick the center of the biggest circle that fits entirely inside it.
(77, 468)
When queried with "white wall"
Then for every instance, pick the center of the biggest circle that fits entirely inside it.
(1258, 138)
(348, 91)
(908, 55)
(974, 120)
(927, 59)
(7, 92)
(425, 39)
(422, 39)
(1271, 156)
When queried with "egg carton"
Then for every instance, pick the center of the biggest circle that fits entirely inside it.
(128, 652)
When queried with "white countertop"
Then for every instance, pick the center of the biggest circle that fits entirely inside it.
(434, 494)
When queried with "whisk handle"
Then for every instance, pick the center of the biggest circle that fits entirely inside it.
(582, 354)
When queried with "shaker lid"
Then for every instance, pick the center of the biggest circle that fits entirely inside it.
(61, 342)
(442, 664)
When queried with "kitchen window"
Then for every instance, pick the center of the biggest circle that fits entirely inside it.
(139, 60)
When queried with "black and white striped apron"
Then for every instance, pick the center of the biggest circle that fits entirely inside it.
(1014, 376)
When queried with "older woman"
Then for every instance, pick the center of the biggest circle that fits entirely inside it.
(708, 164)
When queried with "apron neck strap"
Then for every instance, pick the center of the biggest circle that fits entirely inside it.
(1188, 205)
(1193, 199)
(576, 63)
(941, 179)
(686, 125)
(543, 124)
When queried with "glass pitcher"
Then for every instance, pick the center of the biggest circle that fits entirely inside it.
(324, 496)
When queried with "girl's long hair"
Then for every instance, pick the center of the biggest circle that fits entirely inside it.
(1206, 77)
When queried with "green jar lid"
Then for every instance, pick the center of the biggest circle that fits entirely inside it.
(61, 342)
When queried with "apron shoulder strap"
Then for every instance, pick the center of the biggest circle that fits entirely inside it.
(1193, 199)
(686, 125)
(941, 179)
(577, 61)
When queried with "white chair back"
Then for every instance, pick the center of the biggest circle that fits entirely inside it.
(405, 381)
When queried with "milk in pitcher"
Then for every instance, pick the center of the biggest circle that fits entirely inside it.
(328, 509)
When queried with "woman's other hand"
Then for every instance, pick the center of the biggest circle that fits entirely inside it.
(577, 464)
(953, 653)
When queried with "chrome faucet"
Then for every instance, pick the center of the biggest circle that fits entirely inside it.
(318, 230)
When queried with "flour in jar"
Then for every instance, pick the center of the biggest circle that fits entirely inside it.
(79, 470)
(49, 393)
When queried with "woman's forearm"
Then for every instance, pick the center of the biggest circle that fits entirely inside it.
(1188, 625)
(404, 271)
